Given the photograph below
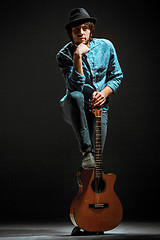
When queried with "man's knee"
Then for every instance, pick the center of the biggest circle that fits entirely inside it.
(77, 97)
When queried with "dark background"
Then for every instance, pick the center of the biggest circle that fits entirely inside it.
(39, 156)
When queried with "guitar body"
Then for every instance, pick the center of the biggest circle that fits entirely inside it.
(96, 208)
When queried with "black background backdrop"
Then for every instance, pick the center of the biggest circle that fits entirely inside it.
(39, 156)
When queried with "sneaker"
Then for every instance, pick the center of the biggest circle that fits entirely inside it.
(88, 161)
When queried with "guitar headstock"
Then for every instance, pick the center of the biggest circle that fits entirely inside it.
(97, 112)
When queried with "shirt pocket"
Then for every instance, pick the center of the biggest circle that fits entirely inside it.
(99, 73)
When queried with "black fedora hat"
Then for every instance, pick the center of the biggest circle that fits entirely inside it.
(79, 15)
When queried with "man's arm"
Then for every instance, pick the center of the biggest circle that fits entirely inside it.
(114, 78)
(77, 63)
(77, 57)
(74, 80)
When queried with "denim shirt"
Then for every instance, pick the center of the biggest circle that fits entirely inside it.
(100, 67)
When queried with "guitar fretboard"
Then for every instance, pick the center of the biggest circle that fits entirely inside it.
(98, 149)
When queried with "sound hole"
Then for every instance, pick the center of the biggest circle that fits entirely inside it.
(98, 185)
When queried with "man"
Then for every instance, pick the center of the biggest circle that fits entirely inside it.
(92, 73)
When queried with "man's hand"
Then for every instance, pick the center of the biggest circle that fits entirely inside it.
(81, 49)
(98, 99)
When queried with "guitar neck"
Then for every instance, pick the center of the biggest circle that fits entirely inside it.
(98, 149)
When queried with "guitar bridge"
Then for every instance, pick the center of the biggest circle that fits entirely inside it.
(99, 205)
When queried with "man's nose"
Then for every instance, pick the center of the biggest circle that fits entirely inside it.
(81, 31)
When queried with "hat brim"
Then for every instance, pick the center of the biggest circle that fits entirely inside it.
(81, 20)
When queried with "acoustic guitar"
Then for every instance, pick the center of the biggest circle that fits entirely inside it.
(96, 207)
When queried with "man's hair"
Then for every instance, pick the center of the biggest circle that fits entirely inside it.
(90, 24)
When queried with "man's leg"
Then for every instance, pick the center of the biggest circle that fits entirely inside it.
(74, 114)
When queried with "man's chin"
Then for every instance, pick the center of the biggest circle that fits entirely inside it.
(82, 41)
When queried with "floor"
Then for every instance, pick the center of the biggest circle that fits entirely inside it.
(59, 231)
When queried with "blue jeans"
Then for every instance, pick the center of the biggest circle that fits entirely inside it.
(83, 121)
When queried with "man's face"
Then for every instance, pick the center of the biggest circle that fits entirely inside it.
(81, 34)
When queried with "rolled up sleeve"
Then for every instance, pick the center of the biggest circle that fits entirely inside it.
(76, 81)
